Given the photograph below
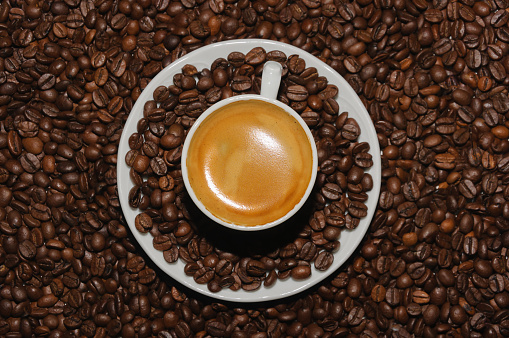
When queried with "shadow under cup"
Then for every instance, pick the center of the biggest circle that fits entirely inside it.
(249, 162)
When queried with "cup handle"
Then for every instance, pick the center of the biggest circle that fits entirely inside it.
(271, 79)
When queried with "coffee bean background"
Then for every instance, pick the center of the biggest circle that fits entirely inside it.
(433, 76)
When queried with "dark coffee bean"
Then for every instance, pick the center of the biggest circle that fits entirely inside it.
(241, 83)
(255, 268)
(323, 261)
(357, 209)
(14, 143)
(355, 316)
(442, 46)
(351, 64)
(143, 222)
(27, 249)
(363, 160)
(188, 96)
(256, 56)
(420, 297)
(332, 191)
(496, 283)
(158, 166)
(236, 59)
(470, 245)
(46, 81)
(171, 255)
(350, 130)
(499, 18)
(296, 65)
(297, 93)
(215, 328)
(407, 209)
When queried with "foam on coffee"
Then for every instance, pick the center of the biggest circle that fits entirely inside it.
(249, 162)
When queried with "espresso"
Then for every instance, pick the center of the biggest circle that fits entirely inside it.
(249, 162)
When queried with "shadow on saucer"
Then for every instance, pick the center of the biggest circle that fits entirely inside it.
(249, 243)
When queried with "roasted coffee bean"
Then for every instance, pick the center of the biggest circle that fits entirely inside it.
(357, 209)
(297, 93)
(355, 316)
(323, 261)
(432, 77)
(143, 222)
(420, 297)
(256, 56)
(470, 245)
(332, 191)
(350, 130)
(241, 83)
(255, 268)
(27, 249)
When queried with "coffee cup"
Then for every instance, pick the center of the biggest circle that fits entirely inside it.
(249, 162)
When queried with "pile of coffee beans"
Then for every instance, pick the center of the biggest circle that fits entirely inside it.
(433, 76)
(309, 239)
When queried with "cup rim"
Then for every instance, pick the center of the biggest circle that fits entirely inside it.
(211, 110)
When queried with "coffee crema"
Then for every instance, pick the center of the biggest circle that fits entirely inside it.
(249, 162)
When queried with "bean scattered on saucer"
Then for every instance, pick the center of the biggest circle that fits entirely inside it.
(224, 258)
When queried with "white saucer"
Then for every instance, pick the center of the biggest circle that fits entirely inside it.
(348, 101)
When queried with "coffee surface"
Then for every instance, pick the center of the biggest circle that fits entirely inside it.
(249, 162)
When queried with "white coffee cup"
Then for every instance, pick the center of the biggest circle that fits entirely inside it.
(271, 78)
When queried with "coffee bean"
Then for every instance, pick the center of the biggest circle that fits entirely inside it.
(143, 222)
(407, 209)
(470, 245)
(215, 328)
(27, 249)
(355, 316)
(256, 56)
(301, 272)
(496, 283)
(14, 143)
(47, 301)
(351, 130)
(297, 93)
(241, 83)
(453, 92)
(420, 297)
(296, 65)
(378, 293)
(323, 261)
(357, 209)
